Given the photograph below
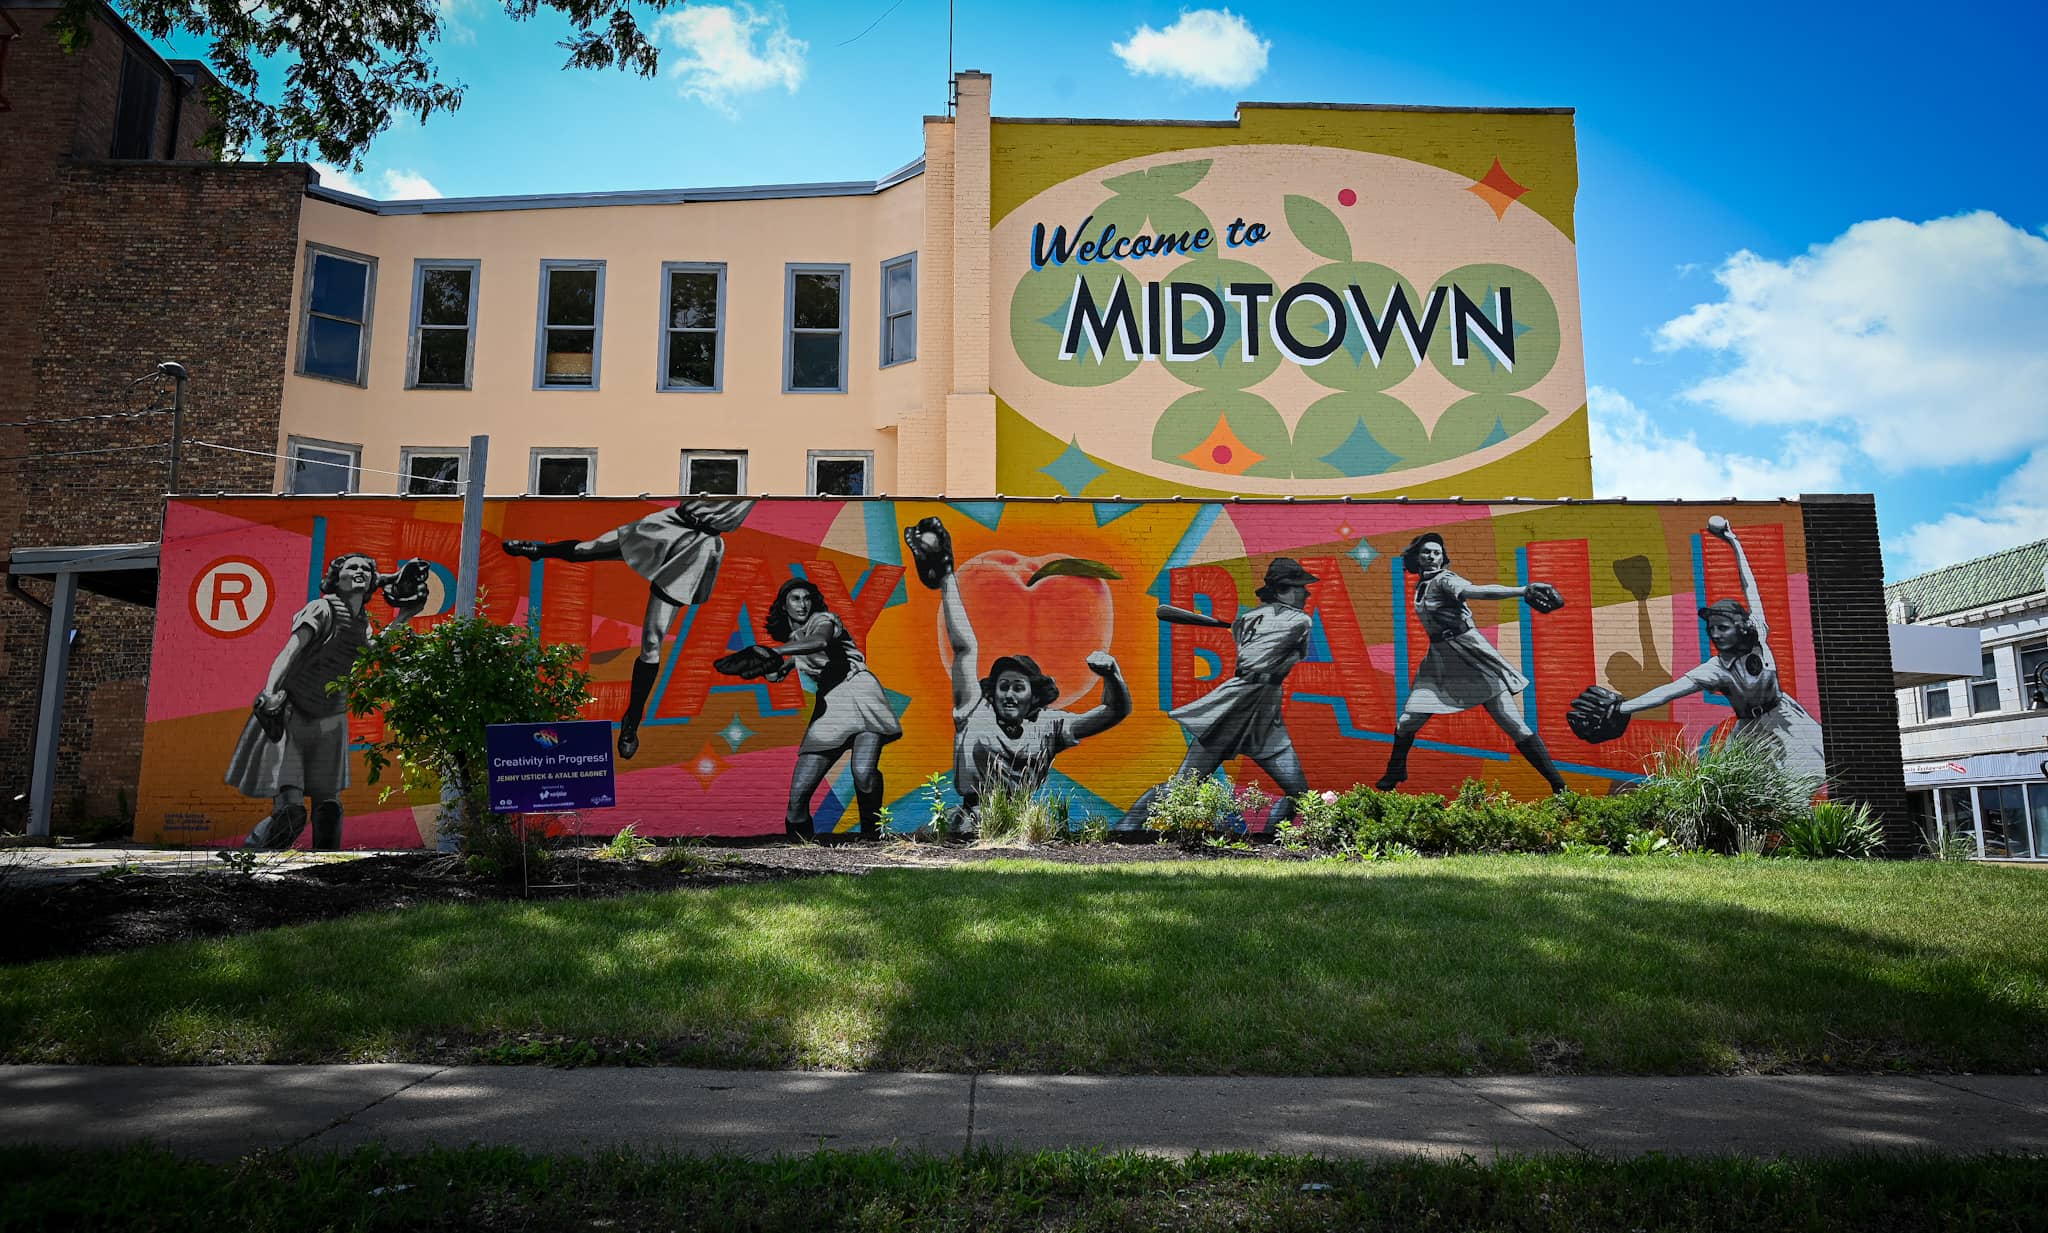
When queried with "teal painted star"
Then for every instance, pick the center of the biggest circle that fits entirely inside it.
(1361, 453)
(735, 733)
(1073, 470)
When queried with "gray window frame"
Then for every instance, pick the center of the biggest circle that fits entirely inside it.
(689, 456)
(910, 259)
(314, 251)
(406, 453)
(815, 456)
(661, 383)
(420, 266)
(293, 444)
(1990, 678)
(789, 272)
(540, 325)
(538, 452)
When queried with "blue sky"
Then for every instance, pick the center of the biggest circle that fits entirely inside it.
(1811, 242)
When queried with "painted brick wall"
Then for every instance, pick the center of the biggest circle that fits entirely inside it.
(1846, 577)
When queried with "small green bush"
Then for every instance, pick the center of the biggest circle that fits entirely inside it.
(1835, 830)
(627, 845)
(1190, 808)
(1707, 795)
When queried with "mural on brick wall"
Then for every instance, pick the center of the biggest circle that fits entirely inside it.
(1288, 317)
(788, 665)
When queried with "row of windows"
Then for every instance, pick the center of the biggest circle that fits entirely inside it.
(324, 467)
(569, 333)
(1980, 694)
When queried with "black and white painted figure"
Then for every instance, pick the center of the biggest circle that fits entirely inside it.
(1742, 670)
(294, 749)
(1242, 716)
(851, 716)
(677, 551)
(1461, 669)
(1006, 730)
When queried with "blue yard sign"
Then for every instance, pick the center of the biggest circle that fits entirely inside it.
(550, 768)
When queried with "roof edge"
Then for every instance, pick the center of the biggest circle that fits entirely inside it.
(630, 197)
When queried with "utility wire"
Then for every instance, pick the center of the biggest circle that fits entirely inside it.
(80, 419)
(456, 486)
(871, 25)
(117, 449)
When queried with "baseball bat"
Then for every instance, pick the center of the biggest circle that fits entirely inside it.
(1183, 616)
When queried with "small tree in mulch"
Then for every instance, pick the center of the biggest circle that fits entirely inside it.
(437, 691)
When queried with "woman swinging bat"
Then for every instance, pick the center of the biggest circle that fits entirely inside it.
(1462, 669)
(677, 551)
(1006, 731)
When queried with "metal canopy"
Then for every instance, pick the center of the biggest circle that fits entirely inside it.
(121, 571)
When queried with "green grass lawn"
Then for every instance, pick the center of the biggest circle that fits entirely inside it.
(1483, 963)
(142, 1188)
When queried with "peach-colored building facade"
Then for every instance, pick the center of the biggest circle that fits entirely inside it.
(916, 334)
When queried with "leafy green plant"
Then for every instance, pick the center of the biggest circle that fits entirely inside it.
(1835, 830)
(682, 856)
(239, 860)
(1189, 808)
(1227, 843)
(1647, 843)
(437, 690)
(1705, 794)
(1574, 848)
(934, 789)
(1092, 830)
(627, 845)
(1012, 815)
(1395, 852)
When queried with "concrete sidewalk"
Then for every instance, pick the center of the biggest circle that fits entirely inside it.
(224, 1111)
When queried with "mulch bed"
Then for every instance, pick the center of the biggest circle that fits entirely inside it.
(112, 912)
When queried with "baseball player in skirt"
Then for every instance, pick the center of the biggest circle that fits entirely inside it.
(1242, 716)
(1741, 669)
(1462, 669)
(677, 551)
(1006, 731)
(294, 748)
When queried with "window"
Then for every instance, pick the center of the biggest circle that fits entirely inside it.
(135, 114)
(1934, 702)
(432, 472)
(692, 326)
(1984, 689)
(840, 473)
(714, 472)
(334, 337)
(443, 323)
(814, 352)
(2034, 675)
(899, 309)
(1959, 816)
(571, 324)
(562, 473)
(321, 467)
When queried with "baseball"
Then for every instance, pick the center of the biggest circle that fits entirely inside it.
(1718, 525)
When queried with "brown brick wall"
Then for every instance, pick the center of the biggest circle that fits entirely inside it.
(1845, 578)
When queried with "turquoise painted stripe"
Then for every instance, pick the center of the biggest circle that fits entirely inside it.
(1528, 624)
(1400, 572)
(317, 567)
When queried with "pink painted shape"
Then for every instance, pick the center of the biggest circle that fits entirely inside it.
(193, 671)
(1275, 528)
(803, 521)
(387, 828)
(1801, 638)
(745, 799)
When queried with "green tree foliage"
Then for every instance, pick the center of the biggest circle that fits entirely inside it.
(439, 689)
(346, 68)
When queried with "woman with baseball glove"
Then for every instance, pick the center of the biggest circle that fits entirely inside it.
(677, 551)
(294, 749)
(1462, 669)
(852, 714)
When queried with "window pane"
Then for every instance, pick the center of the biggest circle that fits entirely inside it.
(715, 476)
(1937, 702)
(444, 297)
(817, 302)
(2019, 830)
(692, 300)
(814, 362)
(693, 360)
(339, 286)
(444, 354)
(563, 477)
(2001, 809)
(569, 356)
(1984, 689)
(902, 338)
(899, 287)
(432, 475)
(1957, 817)
(331, 348)
(319, 471)
(572, 297)
(2032, 660)
(2037, 814)
(842, 477)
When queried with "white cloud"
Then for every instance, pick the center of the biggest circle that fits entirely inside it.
(408, 186)
(1923, 340)
(1633, 457)
(2016, 513)
(730, 50)
(1206, 47)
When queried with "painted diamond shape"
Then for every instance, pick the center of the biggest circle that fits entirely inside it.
(707, 765)
(1223, 452)
(1364, 554)
(1497, 189)
(1361, 453)
(1073, 470)
(735, 734)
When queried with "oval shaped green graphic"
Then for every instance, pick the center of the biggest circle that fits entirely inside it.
(1040, 309)
(1224, 433)
(1479, 421)
(1506, 323)
(1375, 356)
(1224, 365)
(1358, 434)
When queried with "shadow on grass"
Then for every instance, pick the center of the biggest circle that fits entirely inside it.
(1439, 968)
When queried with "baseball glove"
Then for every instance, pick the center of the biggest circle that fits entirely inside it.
(1543, 597)
(1595, 715)
(269, 717)
(750, 663)
(931, 548)
(407, 586)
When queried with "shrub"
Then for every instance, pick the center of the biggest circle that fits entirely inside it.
(1189, 808)
(1706, 795)
(1835, 830)
(627, 845)
(1010, 815)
